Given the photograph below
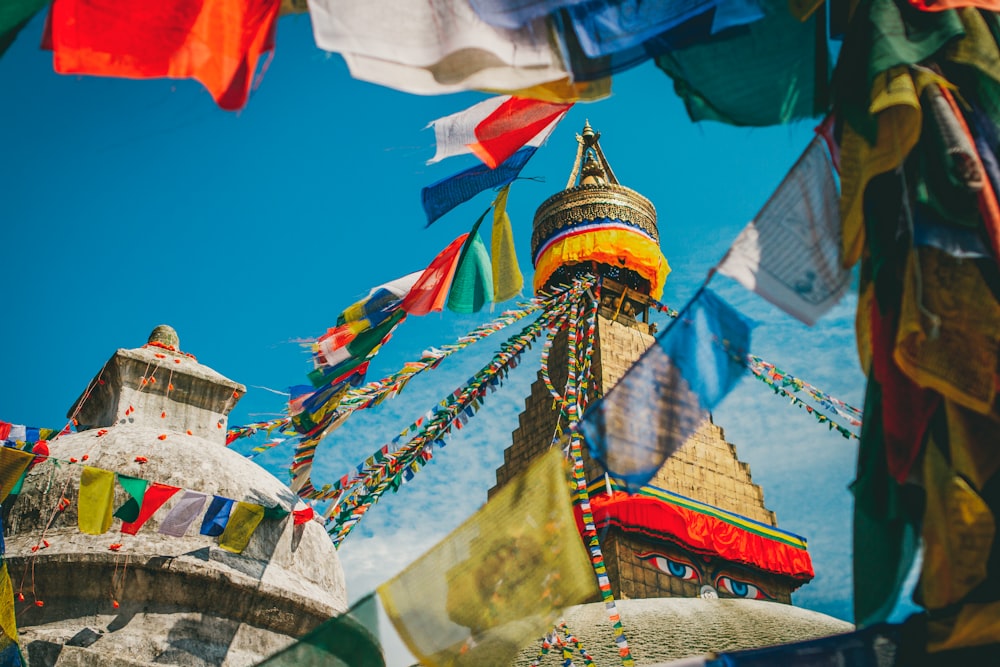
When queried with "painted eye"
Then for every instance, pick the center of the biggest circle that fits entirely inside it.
(674, 568)
(741, 589)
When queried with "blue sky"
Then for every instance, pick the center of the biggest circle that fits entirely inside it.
(127, 204)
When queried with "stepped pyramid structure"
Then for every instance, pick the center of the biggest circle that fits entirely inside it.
(700, 528)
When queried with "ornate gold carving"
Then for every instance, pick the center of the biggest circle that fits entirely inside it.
(585, 203)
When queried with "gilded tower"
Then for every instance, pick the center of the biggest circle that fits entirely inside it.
(700, 528)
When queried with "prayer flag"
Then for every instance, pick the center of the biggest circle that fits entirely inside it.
(154, 498)
(444, 195)
(13, 463)
(243, 521)
(433, 47)
(473, 283)
(136, 489)
(430, 291)
(665, 396)
(216, 516)
(507, 278)
(97, 492)
(499, 579)
(512, 125)
(515, 13)
(15, 12)
(790, 253)
(183, 514)
(217, 42)
(10, 652)
(348, 639)
(763, 73)
(454, 133)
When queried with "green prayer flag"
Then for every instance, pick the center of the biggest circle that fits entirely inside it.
(472, 285)
(349, 639)
(136, 489)
(886, 534)
(14, 13)
(763, 73)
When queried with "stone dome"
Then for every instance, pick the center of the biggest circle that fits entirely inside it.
(159, 415)
(664, 629)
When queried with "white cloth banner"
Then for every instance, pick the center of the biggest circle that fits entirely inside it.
(790, 253)
(433, 46)
(454, 133)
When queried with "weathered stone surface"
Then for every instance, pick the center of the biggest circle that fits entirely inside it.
(181, 601)
(662, 629)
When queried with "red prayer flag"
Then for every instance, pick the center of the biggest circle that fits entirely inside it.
(217, 42)
(430, 291)
(155, 496)
(515, 122)
(303, 515)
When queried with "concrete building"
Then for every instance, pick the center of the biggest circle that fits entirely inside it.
(116, 599)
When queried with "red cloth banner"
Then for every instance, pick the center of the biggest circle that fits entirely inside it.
(217, 42)
(430, 291)
(515, 122)
(699, 533)
(156, 495)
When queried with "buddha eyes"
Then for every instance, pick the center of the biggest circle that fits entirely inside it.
(675, 568)
(740, 589)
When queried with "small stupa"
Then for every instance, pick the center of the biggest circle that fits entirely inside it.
(117, 599)
(700, 528)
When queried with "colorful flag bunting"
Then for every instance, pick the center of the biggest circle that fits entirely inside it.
(499, 579)
(444, 195)
(183, 514)
(153, 499)
(433, 47)
(430, 292)
(473, 283)
(665, 396)
(217, 42)
(243, 521)
(790, 253)
(97, 492)
(512, 125)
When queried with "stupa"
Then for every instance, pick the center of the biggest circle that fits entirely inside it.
(700, 529)
(116, 599)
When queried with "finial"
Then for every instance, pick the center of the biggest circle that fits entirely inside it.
(589, 136)
(165, 335)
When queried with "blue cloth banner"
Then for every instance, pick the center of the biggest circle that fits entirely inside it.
(513, 14)
(439, 198)
(216, 516)
(666, 395)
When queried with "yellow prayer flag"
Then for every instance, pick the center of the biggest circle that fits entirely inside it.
(243, 521)
(507, 278)
(8, 623)
(97, 492)
(499, 580)
(13, 463)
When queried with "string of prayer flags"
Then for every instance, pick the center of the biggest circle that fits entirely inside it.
(472, 286)
(434, 47)
(666, 395)
(429, 293)
(153, 499)
(444, 195)
(765, 73)
(243, 521)
(216, 516)
(505, 580)
(507, 279)
(21, 434)
(790, 253)
(97, 492)
(512, 125)
(140, 40)
(182, 515)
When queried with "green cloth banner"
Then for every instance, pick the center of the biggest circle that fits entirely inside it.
(136, 489)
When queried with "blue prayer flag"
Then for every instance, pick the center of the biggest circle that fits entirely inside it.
(216, 516)
(666, 395)
(439, 198)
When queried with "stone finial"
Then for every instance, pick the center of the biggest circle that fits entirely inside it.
(165, 335)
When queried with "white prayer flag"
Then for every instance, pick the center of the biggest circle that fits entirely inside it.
(790, 253)
(454, 133)
(434, 46)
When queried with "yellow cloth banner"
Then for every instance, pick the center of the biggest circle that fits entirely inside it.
(507, 278)
(8, 623)
(97, 492)
(563, 91)
(13, 463)
(499, 580)
(243, 521)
